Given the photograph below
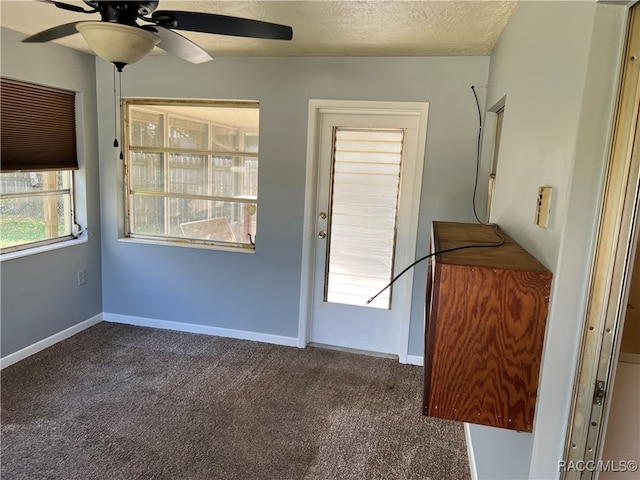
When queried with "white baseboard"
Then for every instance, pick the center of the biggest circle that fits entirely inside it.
(204, 329)
(162, 324)
(415, 360)
(472, 459)
(47, 342)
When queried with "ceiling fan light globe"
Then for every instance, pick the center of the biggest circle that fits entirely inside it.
(118, 43)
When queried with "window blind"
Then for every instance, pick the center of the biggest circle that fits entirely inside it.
(364, 209)
(38, 128)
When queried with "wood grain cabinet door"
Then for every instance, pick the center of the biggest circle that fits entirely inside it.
(484, 330)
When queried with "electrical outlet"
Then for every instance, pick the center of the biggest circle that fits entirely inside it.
(543, 207)
(81, 277)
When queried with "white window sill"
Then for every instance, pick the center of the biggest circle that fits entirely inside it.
(43, 248)
(187, 244)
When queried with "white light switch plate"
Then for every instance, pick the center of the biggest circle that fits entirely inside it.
(543, 207)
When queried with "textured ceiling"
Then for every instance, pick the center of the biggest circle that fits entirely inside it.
(321, 28)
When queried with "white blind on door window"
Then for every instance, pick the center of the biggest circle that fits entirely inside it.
(364, 204)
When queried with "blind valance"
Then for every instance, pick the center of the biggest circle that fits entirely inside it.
(38, 127)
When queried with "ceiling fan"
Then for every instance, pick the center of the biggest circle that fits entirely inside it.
(119, 38)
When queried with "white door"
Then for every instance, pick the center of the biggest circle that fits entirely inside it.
(369, 170)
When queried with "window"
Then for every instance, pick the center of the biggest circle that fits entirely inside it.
(38, 154)
(192, 171)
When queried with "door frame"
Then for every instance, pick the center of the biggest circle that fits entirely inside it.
(615, 249)
(317, 108)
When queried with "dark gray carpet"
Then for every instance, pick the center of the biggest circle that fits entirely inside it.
(123, 402)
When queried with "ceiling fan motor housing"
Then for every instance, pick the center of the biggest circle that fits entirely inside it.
(123, 12)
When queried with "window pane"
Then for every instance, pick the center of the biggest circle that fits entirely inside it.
(146, 171)
(222, 178)
(146, 128)
(234, 129)
(33, 219)
(184, 210)
(31, 182)
(188, 174)
(187, 134)
(195, 219)
(235, 177)
(250, 180)
(211, 220)
(251, 143)
(147, 215)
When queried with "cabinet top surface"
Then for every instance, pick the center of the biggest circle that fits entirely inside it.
(510, 255)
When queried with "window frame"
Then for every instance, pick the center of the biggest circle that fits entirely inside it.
(167, 151)
(493, 169)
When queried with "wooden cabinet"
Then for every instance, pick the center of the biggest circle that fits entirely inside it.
(486, 311)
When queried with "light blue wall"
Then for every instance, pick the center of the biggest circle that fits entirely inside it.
(557, 64)
(40, 295)
(261, 292)
(556, 133)
(575, 257)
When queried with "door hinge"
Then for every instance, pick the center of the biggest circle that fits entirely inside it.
(598, 395)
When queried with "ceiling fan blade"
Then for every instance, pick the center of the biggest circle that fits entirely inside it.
(53, 33)
(221, 25)
(178, 45)
(67, 6)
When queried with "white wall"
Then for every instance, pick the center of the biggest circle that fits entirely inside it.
(557, 64)
(261, 292)
(539, 64)
(40, 294)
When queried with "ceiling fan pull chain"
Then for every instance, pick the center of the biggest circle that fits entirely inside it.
(121, 115)
(115, 113)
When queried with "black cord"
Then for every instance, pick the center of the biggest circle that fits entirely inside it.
(475, 185)
(485, 245)
(475, 213)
